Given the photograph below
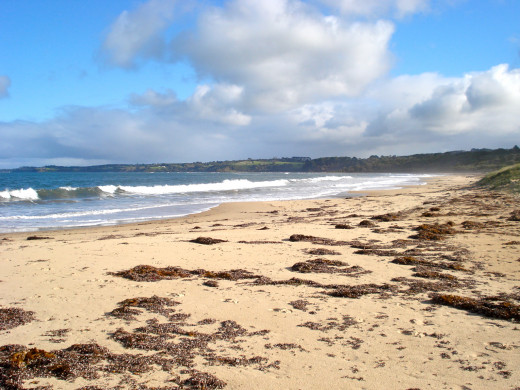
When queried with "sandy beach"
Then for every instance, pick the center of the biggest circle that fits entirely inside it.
(416, 288)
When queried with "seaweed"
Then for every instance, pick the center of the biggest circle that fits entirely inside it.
(366, 223)
(148, 273)
(515, 216)
(210, 283)
(434, 232)
(32, 238)
(299, 304)
(11, 317)
(326, 266)
(362, 289)
(203, 381)
(317, 240)
(322, 252)
(207, 240)
(503, 310)
(410, 260)
(343, 226)
(388, 217)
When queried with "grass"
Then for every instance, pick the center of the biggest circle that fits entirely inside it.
(505, 179)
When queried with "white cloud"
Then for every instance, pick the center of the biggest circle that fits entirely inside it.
(137, 33)
(5, 83)
(284, 53)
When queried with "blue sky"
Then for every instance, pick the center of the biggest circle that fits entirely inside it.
(129, 81)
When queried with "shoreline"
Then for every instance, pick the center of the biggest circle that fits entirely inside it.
(428, 181)
(291, 294)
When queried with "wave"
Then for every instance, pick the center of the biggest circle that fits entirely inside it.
(64, 193)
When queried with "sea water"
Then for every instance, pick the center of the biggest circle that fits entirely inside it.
(55, 200)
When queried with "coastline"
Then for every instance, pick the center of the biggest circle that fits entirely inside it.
(286, 335)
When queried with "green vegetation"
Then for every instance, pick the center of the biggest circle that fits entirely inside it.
(506, 179)
(476, 160)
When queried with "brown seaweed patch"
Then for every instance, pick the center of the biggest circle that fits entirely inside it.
(388, 217)
(428, 274)
(316, 240)
(343, 226)
(326, 266)
(472, 225)
(300, 304)
(366, 223)
(32, 238)
(203, 381)
(148, 273)
(434, 232)
(11, 317)
(127, 308)
(502, 310)
(362, 289)
(410, 260)
(322, 252)
(515, 215)
(207, 240)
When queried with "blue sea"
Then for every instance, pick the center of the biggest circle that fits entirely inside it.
(51, 200)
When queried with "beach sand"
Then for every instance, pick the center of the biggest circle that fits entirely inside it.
(330, 294)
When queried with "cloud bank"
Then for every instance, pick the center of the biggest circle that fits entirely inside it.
(281, 78)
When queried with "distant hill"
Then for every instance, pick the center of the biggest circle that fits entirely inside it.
(505, 179)
(475, 160)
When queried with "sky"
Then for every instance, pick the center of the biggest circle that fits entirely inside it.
(151, 81)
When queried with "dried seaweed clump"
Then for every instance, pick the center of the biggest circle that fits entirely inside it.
(434, 232)
(503, 310)
(300, 304)
(203, 381)
(32, 238)
(429, 274)
(515, 216)
(326, 266)
(366, 223)
(388, 217)
(148, 273)
(362, 289)
(343, 226)
(207, 240)
(317, 240)
(410, 260)
(127, 308)
(322, 252)
(471, 225)
(11, 317)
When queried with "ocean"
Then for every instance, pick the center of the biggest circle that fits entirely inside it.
(52, 200)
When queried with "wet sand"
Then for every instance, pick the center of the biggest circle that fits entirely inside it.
(311, 294)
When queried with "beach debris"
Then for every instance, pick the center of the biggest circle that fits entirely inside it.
(515, 215)
(31, 238)
(326, 266)
(322, 252)
(343, 226)
(207, 240)
(316, 240)
(148, 273)
(300, 304)
(210, 283)
(362, 289)
(410, 260)
(388, 217)
(503, 310)
(11, 317)
(366, 223)
(434, 232)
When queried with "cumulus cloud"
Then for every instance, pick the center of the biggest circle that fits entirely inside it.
(5, 83)
(284, 53)
(137, 33)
